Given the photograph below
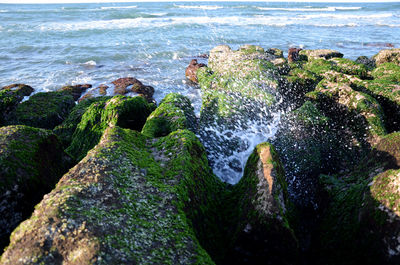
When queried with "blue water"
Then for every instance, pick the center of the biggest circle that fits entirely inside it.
(50, 45)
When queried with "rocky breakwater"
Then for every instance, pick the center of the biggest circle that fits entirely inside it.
(141, 190)
(239, 100)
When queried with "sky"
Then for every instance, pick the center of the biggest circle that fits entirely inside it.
(119, 1)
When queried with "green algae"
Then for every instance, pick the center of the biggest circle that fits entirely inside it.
(43, 110)
(117, 111)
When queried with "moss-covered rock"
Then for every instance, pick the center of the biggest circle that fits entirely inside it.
(350, 67)
(31, 162)
(238, 89)
(387, 56)
(364, 113)
(321, 53)
(388, 72)
(66, 129)
(361, 224)
(43, 110)
(369, 63)
(320, 66)
(126, 112)
(10, 96)
(132, 200)
(174, 112)
(263, 230)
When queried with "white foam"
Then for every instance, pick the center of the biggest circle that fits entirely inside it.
(204, 7)
(117, 7)
(90, 63)
(274, 21)
(161, 14)
(311, 9)
(326, 9)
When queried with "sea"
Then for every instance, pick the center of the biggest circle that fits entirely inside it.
(50, 45)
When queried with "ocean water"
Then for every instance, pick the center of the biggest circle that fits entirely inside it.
(51, 45)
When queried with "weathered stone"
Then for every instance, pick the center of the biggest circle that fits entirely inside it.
(66, 129)
(43, 110)
(131, 84)
(263, 225)
(369, 63)
(103, 89)
(174, 112)
(126, 112)
(10, 96)
(293, 54)
(76, 90)
(322, 53)
(191, 70)
(31, 162)
(387, 56)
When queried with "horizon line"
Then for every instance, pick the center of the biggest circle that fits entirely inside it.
(197, 1)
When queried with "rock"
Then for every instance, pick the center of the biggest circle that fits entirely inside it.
(235, 86)
(103, 89)
(131, 200)
(387, 56)
(322, 53)
(10, 96)
(191, 70)
(293, 54)
(296, 84)
(276, 52)
(310, 144)
(126, 112)
(361, 112)
(43, 110)
(369, 63)
(387, 72)
(362, 215)
(174, 112)
(31, 162)
(134, 85)
(263, 225)
(86, 96)
(66, 129)
(350, 67)
(76, 90)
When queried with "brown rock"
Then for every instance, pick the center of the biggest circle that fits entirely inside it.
(76, 90)
(86, 96)
(103, 89)
(293, 54)
(122, 84)
(191, 70)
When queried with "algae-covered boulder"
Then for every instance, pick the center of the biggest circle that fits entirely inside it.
(368, 62)
(361, 222)
(263, 234)
(174, 112)
(239, 89)
(31, 162)
(389, 72)
(321, 53)
(66, 129)
(10, 96)
(309, 144)
(132, 200)
(387, 56)
(126, 112)
(361, 112)
(43, 110)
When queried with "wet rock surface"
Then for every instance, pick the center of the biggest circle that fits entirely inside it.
(31, 163)
(321, 188)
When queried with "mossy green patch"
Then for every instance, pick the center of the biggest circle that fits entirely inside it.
(174, 112)
(43, 110)
(67, 128)
(118, 111)
(389, 72)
